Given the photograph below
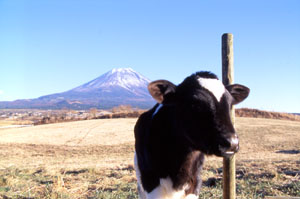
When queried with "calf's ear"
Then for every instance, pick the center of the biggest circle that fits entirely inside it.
(162, 91)
(238, 92)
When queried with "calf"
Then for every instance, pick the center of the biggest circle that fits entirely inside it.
(190, 120)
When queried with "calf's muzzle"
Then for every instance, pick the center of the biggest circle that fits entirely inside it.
(234, 145)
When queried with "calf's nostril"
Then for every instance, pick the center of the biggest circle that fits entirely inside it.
(233, 143)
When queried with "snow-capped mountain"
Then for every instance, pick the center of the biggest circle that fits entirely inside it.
(116, 87)
(125, 78)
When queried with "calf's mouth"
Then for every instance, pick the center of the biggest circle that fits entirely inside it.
(231, 147)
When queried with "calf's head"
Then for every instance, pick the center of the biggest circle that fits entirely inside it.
(202, 105)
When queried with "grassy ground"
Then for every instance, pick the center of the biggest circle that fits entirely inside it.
(93, 159)
(4, 123)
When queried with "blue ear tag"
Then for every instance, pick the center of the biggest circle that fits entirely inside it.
(157, 109)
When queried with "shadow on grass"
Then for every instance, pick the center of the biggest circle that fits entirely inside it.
(289, 151)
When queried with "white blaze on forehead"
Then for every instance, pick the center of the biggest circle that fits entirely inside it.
(215, 86)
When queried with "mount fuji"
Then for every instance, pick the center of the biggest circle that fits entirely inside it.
(120, 86)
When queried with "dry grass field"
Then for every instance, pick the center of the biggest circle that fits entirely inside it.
(94, 159)
(4, 123)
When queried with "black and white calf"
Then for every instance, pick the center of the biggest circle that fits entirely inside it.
(190, 120)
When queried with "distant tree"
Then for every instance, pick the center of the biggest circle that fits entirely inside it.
(93, 112)
(122, 109)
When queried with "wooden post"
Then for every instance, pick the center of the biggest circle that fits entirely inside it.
(227, 78)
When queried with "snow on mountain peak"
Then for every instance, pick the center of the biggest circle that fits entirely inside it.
(122, 70)
(126, 78)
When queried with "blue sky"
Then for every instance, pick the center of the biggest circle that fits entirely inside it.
(52, 46)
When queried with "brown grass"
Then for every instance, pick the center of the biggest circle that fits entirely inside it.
(14, 122)
(89, 158)
(246, 112)
(266, 144)
(80, 133)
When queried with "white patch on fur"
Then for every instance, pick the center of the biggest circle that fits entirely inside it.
(191, 196)
(157, 109)
(215, 86)
(165, 191)
(142, 193)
